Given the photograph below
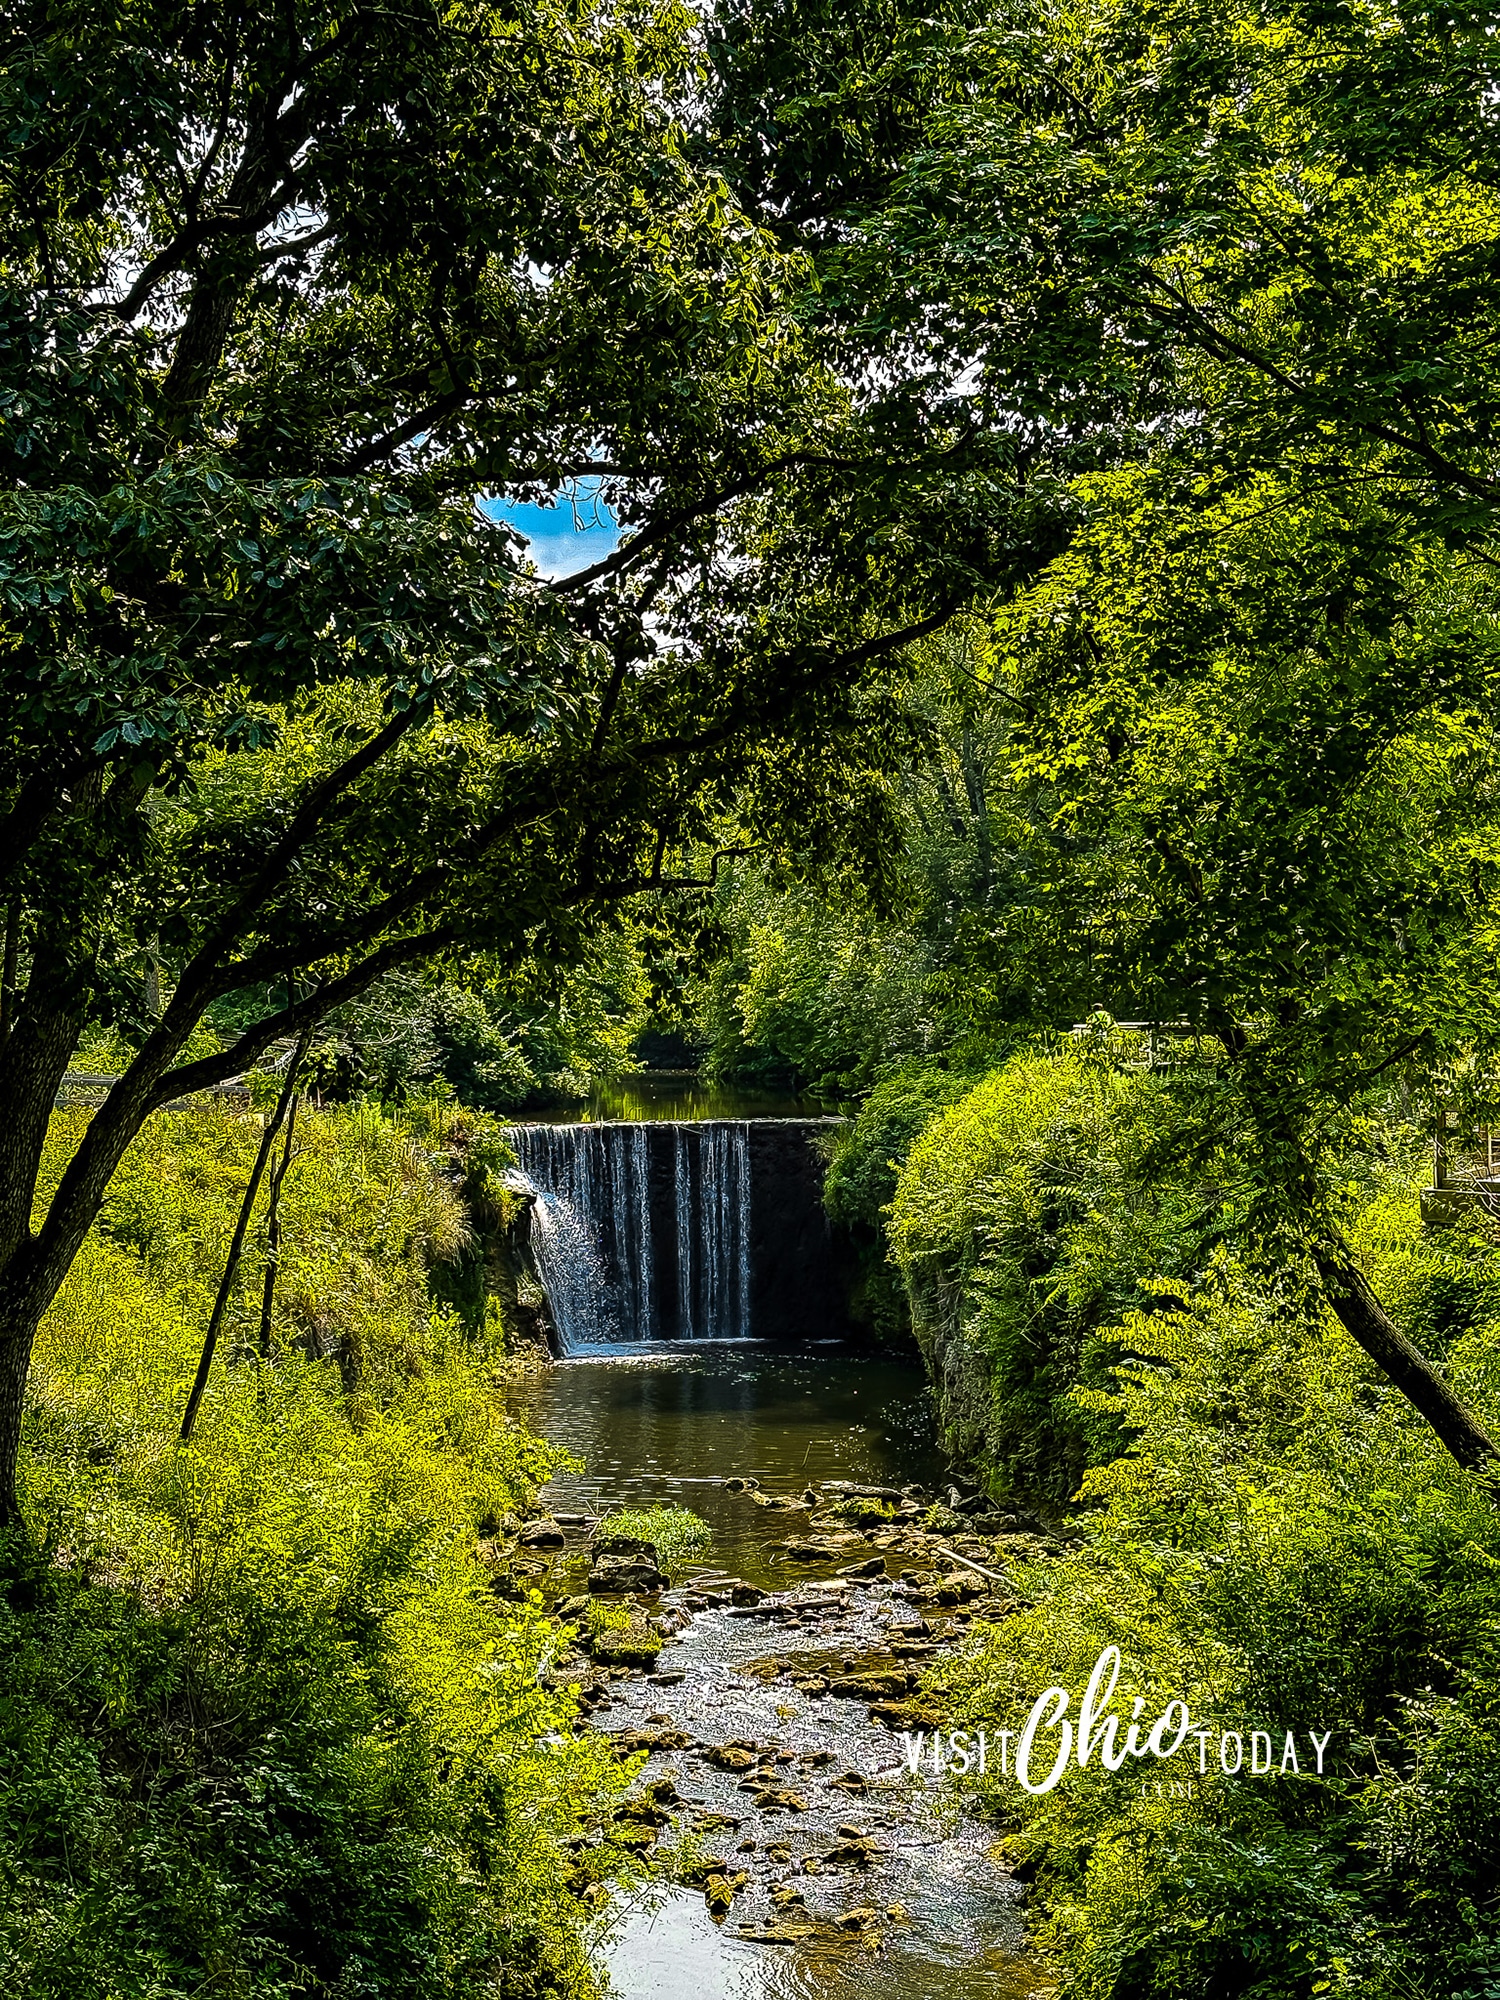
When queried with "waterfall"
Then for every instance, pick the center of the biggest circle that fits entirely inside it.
(641, 1232)
(724, 1233)
(682, 1203)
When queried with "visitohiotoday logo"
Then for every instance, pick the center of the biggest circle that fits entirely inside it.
(1051, 1742)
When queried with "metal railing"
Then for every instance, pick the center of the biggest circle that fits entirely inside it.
(89, 1088)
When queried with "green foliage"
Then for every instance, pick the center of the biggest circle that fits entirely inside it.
(1241, 730)
(1023, 1230)
(263, 1723)
(862, 1512)
(1249, 766)
(603, 1615)
(870, 1154)
(297, 307)
(808, 993)
(834, 981)
(1441, 1286)
(518, 1041)
(680, 1537)
(367, 1212)
(861, 1182)
(1282, 1545)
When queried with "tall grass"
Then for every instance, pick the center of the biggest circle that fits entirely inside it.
(264, 1729)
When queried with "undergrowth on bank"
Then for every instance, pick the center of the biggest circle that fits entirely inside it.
(264, 1729)
(1262, 1526)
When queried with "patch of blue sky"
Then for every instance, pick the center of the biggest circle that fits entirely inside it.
(562, 539)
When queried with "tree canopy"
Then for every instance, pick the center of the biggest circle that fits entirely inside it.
(1226, 280)
(288, 302)
(1160, 340)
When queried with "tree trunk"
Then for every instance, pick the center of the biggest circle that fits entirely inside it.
(9, 965)
(1368, 1324)
(17, 1332)
(273, 1236)
(979, 809)
(35, 1058)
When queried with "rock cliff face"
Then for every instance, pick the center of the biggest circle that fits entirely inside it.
(495, 1272)
(960, 1373)
(800, 1272)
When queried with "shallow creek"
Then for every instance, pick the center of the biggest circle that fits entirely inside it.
(825, 1822)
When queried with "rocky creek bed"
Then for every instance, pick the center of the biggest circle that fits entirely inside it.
(795, 1852)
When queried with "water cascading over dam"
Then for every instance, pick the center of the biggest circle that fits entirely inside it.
(665, 1231)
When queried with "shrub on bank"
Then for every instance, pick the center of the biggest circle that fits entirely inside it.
(264, 1729)
(1284, 1546)
(861, 1180)
(1023, 1230)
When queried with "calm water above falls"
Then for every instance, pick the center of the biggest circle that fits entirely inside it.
(683, 1094)
(671, 1429)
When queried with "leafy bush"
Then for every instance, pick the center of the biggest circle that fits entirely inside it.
(264, 1728)
(1024, 1230)
(861, 1182)
(679, 1536)
(1283, 1545)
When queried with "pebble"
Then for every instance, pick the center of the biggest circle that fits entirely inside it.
(730, 1757)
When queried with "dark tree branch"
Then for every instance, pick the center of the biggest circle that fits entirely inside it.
(273, 1236)
(1225, 345)
(295, 247)
(304, 824)
(237, 1241)
(636, 885)
(9, 963)
(291, 1019)
(672, 523)
(277, 961)
(423, 420)
(872, 649)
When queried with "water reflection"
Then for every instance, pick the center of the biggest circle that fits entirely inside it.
(667, 1947)
(684, 1095)
(670, 1427)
